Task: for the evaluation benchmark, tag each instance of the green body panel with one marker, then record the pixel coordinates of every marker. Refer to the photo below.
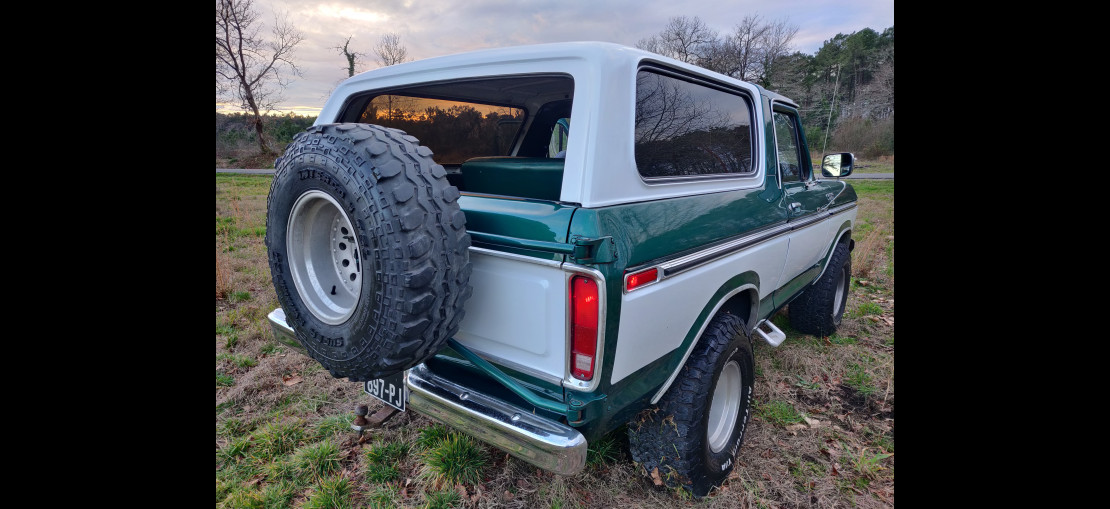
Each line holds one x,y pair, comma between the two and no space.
525,220
656,230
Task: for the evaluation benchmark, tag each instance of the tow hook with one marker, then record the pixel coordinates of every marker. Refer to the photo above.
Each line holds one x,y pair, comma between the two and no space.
360,423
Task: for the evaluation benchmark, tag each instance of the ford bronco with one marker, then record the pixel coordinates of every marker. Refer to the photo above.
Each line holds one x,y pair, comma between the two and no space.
537,245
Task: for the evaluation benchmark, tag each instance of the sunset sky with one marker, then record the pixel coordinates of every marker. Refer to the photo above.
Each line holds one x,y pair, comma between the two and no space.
430,28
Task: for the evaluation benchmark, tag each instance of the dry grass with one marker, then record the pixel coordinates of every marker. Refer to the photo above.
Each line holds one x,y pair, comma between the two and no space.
841,386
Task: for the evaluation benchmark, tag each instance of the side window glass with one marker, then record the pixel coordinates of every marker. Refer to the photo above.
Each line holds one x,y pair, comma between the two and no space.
684,128
786,138
557,147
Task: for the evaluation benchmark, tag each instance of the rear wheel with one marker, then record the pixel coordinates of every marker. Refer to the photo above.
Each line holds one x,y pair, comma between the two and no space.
368,249
691,436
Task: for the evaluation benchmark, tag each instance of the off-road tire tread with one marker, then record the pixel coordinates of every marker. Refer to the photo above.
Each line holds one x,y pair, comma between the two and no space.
812,312
670,436
413,239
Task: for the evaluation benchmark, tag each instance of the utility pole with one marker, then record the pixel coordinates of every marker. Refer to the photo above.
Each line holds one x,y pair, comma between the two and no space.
829,123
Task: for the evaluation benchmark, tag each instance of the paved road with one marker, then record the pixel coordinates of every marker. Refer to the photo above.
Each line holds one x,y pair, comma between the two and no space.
860,176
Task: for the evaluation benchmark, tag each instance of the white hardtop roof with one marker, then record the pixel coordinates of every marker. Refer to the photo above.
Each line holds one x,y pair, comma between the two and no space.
594,54
604,91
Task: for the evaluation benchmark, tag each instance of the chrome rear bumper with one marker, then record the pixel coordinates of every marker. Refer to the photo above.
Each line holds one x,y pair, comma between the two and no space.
283,333
542,442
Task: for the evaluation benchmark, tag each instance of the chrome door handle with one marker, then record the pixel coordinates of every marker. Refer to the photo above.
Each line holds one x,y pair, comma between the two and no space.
794,206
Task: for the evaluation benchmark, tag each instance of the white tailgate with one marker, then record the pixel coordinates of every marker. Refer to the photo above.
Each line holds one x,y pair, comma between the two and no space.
517,314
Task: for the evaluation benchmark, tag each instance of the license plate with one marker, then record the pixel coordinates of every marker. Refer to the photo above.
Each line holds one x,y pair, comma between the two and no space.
390,390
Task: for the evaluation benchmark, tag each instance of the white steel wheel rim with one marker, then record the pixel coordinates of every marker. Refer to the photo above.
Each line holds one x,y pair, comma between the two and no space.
724,409
838,297
323,257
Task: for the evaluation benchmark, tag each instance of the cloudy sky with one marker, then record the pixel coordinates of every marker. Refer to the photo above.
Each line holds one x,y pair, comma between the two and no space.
430,28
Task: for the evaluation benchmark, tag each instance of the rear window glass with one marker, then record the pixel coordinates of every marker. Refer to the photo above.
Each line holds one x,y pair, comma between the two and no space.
456,130
688,129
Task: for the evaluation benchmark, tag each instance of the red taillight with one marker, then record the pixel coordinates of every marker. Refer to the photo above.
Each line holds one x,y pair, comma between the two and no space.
641,278
584,305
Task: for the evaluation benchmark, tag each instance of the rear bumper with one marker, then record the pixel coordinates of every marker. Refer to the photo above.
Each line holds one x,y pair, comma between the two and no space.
283,333
542,442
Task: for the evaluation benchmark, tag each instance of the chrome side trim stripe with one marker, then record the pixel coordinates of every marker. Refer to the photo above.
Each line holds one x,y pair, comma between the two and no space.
694,260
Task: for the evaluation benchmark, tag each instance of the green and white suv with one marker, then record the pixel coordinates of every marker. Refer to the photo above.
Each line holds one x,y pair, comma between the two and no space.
537,245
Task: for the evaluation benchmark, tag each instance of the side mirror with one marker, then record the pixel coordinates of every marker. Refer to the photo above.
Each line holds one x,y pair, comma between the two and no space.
837,165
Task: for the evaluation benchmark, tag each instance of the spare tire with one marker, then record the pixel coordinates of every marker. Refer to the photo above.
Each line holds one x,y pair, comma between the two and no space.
368,249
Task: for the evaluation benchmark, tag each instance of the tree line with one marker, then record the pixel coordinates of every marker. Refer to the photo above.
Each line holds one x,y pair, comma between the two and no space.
845,89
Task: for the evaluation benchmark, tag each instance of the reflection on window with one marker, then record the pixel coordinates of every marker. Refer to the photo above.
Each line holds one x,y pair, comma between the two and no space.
455,131
786,135
684,128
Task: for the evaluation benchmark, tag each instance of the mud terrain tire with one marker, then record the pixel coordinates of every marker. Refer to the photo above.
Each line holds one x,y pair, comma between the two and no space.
690,438
820,308
368,249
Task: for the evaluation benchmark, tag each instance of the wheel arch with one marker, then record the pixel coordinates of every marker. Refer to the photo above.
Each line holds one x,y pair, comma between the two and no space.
738,296
844,235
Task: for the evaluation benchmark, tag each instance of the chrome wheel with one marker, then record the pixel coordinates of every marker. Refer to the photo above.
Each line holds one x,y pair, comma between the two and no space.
725,407
841,292
323,257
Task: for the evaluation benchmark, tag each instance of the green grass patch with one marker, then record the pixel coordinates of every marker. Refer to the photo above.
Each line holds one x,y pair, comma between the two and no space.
382,474
225,225
432,436
778,412
868,308
457,459
806,384
388,453
868,464
874,189
233,427
837,339
236,449
278,494
859,379
318,460
331,493
243,499
442,499
283,468
277,439
313,405
235,297
334,424
241,361
384,497
606,449
271,348
382,461
806,471
224,380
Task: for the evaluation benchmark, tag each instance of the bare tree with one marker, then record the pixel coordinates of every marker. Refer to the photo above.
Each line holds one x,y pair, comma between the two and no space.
253,65
777,41
748,53
352,57
683,38
748,47
390,51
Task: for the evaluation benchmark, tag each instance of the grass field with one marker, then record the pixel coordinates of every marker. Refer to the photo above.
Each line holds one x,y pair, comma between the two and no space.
822,432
